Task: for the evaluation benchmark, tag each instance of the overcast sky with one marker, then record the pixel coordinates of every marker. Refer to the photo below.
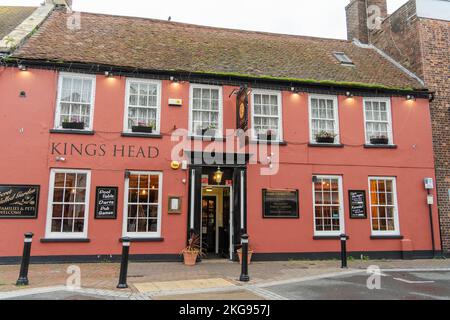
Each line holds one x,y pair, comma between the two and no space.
321,18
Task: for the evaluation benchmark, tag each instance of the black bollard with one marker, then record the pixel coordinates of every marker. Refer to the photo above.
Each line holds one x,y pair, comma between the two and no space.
343,238
244,267
124,263
23,276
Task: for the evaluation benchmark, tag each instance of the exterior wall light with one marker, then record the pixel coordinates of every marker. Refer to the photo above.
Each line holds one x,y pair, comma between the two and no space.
218,176
109,74
410,97
348,94
22,67
173,79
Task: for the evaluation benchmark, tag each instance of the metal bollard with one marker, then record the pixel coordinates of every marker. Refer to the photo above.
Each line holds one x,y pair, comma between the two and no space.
244,267
343,238
124,263
23,276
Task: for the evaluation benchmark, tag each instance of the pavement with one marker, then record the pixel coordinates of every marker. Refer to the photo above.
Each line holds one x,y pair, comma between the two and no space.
218,280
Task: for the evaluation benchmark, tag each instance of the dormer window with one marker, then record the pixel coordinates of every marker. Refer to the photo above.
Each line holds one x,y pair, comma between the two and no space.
343,58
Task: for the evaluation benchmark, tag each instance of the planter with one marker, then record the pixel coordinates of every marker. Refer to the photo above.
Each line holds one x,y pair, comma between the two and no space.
325,139
142,129
73,125
249,258
379,140
190,258
264,137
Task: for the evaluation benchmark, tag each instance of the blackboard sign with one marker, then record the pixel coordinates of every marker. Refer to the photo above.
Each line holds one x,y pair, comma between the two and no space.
357,200
19,201
106,203
280,203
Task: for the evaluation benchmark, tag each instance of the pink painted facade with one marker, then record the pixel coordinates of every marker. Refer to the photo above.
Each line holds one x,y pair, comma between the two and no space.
26,158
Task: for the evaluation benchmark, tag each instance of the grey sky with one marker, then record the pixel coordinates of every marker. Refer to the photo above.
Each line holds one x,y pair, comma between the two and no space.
321,18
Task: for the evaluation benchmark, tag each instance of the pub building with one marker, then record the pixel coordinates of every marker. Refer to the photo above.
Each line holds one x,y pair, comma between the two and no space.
335,138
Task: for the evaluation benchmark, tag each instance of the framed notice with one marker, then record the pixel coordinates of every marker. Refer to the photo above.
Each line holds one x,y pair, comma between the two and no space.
19,201
357,202
280,204
106,202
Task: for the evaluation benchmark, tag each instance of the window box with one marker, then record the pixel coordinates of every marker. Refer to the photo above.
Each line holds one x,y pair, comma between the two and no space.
379,140
325,139
73,125
142,129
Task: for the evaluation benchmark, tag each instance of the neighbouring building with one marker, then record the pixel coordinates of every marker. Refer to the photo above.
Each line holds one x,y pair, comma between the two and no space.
417,36
339,141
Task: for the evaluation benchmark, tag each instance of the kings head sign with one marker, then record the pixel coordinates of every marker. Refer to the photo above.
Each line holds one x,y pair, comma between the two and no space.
242,109
19,201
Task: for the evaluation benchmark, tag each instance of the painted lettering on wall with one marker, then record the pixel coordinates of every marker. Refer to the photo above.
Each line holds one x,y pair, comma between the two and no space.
103,150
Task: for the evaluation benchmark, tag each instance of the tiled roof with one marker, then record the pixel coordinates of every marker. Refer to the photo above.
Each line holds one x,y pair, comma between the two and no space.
157,45
11,17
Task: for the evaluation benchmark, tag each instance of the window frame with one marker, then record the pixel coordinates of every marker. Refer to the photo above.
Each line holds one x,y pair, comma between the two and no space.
48,227
138,235
57,121
343,58
312,139
389,118
396,232
158,84
341,208
219,131
280,113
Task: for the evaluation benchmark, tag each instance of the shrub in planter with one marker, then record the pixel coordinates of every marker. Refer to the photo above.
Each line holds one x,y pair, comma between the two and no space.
192,250
143,127
379,140
73,123
325,137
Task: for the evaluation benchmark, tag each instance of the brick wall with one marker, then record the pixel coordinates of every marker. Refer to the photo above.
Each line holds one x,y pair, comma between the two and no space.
435,40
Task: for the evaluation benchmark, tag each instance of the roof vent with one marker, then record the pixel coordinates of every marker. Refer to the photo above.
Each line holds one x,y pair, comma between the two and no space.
343,58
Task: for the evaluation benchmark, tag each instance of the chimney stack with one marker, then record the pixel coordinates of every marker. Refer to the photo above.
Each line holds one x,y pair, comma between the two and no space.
364,17
60,3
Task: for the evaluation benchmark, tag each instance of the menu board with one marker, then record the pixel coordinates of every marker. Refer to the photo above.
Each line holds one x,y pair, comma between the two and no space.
106,203
19,201
357,200
280,203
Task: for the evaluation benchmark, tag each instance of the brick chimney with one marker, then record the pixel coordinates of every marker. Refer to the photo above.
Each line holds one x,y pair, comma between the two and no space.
364,16
60,3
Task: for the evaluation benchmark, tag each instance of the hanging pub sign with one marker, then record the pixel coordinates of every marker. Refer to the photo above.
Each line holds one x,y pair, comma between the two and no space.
106,203
280,203
242,109
19,201
357,200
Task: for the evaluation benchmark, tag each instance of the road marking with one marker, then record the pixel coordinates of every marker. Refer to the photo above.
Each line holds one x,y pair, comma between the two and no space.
417,270
266,294
412,282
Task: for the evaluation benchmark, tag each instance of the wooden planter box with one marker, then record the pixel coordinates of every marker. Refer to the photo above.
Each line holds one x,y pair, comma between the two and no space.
142,129
73,125
325,139
379,140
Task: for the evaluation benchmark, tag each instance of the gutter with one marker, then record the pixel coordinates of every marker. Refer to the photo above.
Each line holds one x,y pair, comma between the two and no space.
274,83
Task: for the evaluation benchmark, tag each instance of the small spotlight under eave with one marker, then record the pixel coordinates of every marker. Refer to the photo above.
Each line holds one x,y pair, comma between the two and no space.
410,97
348,94
22,67
109,74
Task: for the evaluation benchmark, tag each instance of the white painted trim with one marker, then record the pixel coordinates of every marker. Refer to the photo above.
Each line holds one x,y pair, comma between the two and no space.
67,235
219,133
336,115
389,115
341,208
156,234
280,111
396,232
242,199
192,211
158,84
61,75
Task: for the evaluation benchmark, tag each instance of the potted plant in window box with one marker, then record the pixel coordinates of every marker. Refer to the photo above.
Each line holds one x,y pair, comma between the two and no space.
192,250
269,135
143,127
72,123
325,137
249,257
379,139
209,131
